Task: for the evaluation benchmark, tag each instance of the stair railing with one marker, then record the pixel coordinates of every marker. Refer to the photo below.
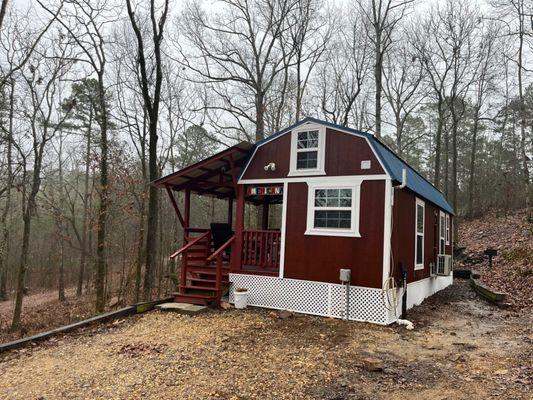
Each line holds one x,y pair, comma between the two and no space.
218,255
183,252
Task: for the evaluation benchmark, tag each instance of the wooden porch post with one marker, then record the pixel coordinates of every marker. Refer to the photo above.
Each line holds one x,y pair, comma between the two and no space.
266,206
236,251
187,209
230,211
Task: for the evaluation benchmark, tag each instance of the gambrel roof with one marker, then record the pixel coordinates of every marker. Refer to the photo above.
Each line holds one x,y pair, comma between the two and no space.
390,160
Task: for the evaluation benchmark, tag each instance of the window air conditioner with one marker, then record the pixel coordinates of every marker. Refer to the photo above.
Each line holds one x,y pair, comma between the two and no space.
443,266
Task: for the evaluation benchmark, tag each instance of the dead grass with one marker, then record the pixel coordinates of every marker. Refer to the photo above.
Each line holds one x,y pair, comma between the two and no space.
462,348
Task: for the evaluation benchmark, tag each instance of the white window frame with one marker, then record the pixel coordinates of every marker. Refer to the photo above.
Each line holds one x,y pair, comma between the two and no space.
448,233
337,183
423,204
321,151
442,232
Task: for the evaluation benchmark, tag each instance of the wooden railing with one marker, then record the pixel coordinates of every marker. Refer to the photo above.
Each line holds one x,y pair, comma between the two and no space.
218,255
201,253
261,248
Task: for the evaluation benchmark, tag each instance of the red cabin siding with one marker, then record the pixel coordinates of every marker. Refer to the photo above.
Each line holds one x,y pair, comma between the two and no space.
319,258
343,156
403,235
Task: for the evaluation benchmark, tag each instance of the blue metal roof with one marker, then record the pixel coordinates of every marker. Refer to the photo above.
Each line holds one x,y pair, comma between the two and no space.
391,161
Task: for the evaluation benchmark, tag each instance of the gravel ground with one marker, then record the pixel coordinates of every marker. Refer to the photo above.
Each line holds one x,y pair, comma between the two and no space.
461,348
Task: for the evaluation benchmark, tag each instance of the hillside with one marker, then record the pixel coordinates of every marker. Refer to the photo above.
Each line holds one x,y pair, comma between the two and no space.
512,268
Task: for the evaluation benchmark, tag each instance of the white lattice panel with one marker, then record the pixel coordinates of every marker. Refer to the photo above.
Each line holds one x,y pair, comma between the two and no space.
307,297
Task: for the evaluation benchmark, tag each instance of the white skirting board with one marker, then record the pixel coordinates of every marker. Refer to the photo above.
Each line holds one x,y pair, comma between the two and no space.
419,290
328,299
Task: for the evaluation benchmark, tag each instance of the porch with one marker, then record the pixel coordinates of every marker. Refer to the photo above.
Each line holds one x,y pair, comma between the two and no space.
210,253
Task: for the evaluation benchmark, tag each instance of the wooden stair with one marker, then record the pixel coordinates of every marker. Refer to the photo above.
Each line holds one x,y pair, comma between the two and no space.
198,284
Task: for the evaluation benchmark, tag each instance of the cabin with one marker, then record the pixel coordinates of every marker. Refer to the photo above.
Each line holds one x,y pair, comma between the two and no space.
347,208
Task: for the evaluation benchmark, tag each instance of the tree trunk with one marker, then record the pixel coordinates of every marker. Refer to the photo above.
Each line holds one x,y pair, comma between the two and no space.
260,116
4,239
523,153
102,211
472,173
85,222
28,211
153,202
438,145
378,76
140,248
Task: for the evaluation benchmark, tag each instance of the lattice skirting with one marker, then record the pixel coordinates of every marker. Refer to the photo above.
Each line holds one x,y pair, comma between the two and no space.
308,297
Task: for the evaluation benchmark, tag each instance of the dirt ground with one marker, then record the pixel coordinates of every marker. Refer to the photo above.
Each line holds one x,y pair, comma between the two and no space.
43,311
461,348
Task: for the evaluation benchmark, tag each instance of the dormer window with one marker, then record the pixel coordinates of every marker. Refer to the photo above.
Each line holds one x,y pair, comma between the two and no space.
307,150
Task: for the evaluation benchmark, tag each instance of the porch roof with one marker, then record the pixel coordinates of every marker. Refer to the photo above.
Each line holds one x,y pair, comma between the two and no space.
215,176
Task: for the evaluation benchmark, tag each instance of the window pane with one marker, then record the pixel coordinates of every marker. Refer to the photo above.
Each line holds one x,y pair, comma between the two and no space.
346,193
419,244
307,140
320,198
419,218
333,219
306,160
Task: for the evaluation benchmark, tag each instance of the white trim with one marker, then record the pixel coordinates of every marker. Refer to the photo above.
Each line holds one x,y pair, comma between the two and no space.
387,229
442,232
335,183
423,204
283,229
448,229
320,149
325,126
377,177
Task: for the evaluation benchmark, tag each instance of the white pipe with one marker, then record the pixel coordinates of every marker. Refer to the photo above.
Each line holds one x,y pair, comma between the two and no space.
404,180
408,324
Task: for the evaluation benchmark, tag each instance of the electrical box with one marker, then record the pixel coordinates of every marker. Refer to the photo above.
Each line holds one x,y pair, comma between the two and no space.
345,275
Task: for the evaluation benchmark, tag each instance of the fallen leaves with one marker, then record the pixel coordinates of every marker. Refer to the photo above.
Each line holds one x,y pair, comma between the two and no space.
512,268
269,354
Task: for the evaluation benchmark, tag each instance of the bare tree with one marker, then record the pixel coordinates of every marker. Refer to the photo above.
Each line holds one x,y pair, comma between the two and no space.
403,77
151,82
7,138
341,79
381,18
488,61
41,81
85,25
238,53
518,15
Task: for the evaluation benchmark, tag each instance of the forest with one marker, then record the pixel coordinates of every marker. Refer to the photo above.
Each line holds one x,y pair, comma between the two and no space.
98,98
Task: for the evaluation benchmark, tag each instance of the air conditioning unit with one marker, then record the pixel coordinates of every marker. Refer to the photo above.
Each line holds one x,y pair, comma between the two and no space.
443,267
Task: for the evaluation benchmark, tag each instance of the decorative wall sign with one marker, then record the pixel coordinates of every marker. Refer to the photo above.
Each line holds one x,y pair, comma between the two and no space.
265,190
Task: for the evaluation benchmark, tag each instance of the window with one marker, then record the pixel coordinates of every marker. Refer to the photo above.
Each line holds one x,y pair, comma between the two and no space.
419,234
307,150
448,229
442,232
333,209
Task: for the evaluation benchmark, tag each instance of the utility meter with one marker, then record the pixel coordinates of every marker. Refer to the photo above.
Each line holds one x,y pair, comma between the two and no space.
345,275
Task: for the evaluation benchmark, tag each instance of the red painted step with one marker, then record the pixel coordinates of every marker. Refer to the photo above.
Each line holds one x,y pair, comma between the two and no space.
201,300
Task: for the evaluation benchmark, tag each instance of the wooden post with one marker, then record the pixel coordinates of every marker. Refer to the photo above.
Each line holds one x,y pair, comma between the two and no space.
236,251
187,208
266,206
230,211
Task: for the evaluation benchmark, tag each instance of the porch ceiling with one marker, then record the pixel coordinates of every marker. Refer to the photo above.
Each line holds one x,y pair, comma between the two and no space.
213,176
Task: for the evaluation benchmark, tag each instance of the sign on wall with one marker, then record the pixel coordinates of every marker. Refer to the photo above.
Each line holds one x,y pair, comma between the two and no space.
265,190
